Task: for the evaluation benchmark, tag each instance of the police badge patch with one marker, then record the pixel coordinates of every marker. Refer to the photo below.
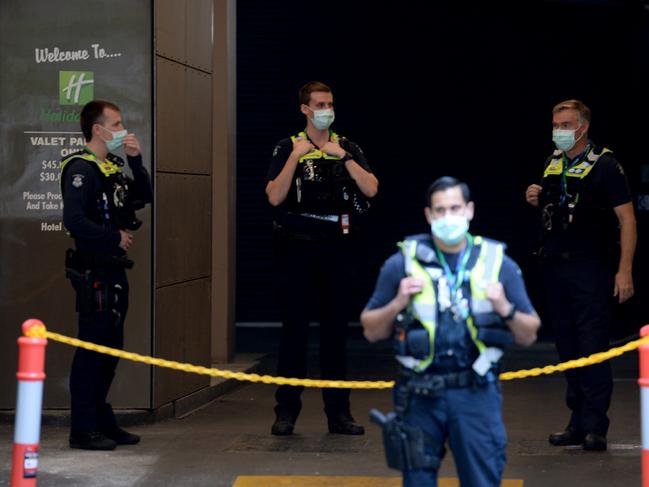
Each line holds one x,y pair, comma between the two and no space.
77,180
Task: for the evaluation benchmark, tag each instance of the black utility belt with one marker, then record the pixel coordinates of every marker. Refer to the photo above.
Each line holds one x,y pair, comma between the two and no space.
93,292
81,260
433,384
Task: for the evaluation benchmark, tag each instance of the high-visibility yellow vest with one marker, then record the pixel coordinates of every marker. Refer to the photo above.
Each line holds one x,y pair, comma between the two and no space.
317,153
580,171
107,168
424,305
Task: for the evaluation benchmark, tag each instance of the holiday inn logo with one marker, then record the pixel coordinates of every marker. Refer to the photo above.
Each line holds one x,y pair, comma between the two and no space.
76,87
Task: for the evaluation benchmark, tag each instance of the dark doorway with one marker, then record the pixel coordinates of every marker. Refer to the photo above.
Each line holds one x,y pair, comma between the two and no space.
435,88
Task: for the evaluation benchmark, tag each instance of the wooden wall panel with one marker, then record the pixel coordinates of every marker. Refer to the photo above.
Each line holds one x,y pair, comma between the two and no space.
183,236
199,34
170,121
171,29
198,122
183,328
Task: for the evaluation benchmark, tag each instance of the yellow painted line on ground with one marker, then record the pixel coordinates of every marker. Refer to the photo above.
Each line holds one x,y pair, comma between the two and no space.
338,481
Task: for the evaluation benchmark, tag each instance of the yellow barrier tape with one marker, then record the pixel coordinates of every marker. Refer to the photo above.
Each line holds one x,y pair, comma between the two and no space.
41,332
595,358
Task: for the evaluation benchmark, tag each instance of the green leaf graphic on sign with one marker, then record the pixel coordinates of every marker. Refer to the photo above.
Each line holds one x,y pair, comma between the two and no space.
76,87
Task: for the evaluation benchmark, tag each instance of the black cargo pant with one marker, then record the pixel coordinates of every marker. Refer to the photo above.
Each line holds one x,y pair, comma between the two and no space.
92,373
579,293
314,281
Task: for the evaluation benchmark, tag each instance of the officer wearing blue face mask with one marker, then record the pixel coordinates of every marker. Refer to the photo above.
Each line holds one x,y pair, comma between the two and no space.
583,197
451,301
100,201
319,184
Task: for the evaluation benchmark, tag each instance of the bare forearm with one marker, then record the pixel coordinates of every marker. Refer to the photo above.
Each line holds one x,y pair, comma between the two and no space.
377,323
365,180
524,327
628,240
277,189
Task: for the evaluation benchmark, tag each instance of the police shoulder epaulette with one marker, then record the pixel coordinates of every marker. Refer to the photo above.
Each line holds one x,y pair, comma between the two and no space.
118,161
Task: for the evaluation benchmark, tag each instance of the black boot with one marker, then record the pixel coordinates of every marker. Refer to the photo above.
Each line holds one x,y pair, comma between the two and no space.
343,424
570,436
91,440
284,424
121,437
595,442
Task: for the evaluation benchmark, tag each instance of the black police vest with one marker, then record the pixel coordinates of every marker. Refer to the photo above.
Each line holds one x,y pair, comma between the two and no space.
323,186
114,206
563,193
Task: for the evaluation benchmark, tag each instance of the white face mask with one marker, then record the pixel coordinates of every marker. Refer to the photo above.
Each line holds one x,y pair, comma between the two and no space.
450,229
322,119
117,141
564,139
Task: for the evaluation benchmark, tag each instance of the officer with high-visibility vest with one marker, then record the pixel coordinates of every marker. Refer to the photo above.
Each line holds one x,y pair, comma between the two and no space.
319,184
452,302
583,197
99,213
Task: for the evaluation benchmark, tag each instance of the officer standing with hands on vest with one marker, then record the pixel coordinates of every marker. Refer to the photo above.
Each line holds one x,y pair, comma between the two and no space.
583,197
99,213
319,184
452,301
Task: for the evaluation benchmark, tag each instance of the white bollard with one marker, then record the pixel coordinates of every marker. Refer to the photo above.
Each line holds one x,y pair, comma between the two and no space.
31,373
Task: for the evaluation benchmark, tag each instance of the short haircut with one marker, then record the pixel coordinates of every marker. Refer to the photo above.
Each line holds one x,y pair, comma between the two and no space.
92,113
580,106
310,87
444,183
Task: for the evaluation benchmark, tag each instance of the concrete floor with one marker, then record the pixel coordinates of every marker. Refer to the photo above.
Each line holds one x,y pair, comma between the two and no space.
230,437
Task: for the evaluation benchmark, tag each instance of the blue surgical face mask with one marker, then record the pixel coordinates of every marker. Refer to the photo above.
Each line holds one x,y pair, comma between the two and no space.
117,140
450,229
564,139
322,119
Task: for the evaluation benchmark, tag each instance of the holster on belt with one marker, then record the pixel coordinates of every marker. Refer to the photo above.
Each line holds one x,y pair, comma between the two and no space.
405,445
93,292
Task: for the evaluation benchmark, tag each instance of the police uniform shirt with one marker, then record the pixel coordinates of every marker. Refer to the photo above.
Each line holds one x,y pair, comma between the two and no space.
454,349
290,219
593,230
83,208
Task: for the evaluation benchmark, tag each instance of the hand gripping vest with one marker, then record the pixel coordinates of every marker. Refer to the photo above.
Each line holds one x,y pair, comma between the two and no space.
487,330
323,185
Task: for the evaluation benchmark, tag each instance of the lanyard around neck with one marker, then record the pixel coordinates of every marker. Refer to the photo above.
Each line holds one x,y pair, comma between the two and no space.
578,160
314,144
456,278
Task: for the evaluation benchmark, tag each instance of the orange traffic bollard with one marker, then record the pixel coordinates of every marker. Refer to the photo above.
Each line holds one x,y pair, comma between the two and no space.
644,405
31,373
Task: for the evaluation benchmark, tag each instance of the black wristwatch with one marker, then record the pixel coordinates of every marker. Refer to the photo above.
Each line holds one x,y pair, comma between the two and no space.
346,157
510,315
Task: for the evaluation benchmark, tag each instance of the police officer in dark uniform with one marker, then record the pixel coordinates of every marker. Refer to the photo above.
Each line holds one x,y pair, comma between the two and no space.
319,184
452,301
99,212
583,196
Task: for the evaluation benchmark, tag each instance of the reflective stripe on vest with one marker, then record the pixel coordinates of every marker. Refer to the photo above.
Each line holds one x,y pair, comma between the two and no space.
317,153
424,304
107,168
580,171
